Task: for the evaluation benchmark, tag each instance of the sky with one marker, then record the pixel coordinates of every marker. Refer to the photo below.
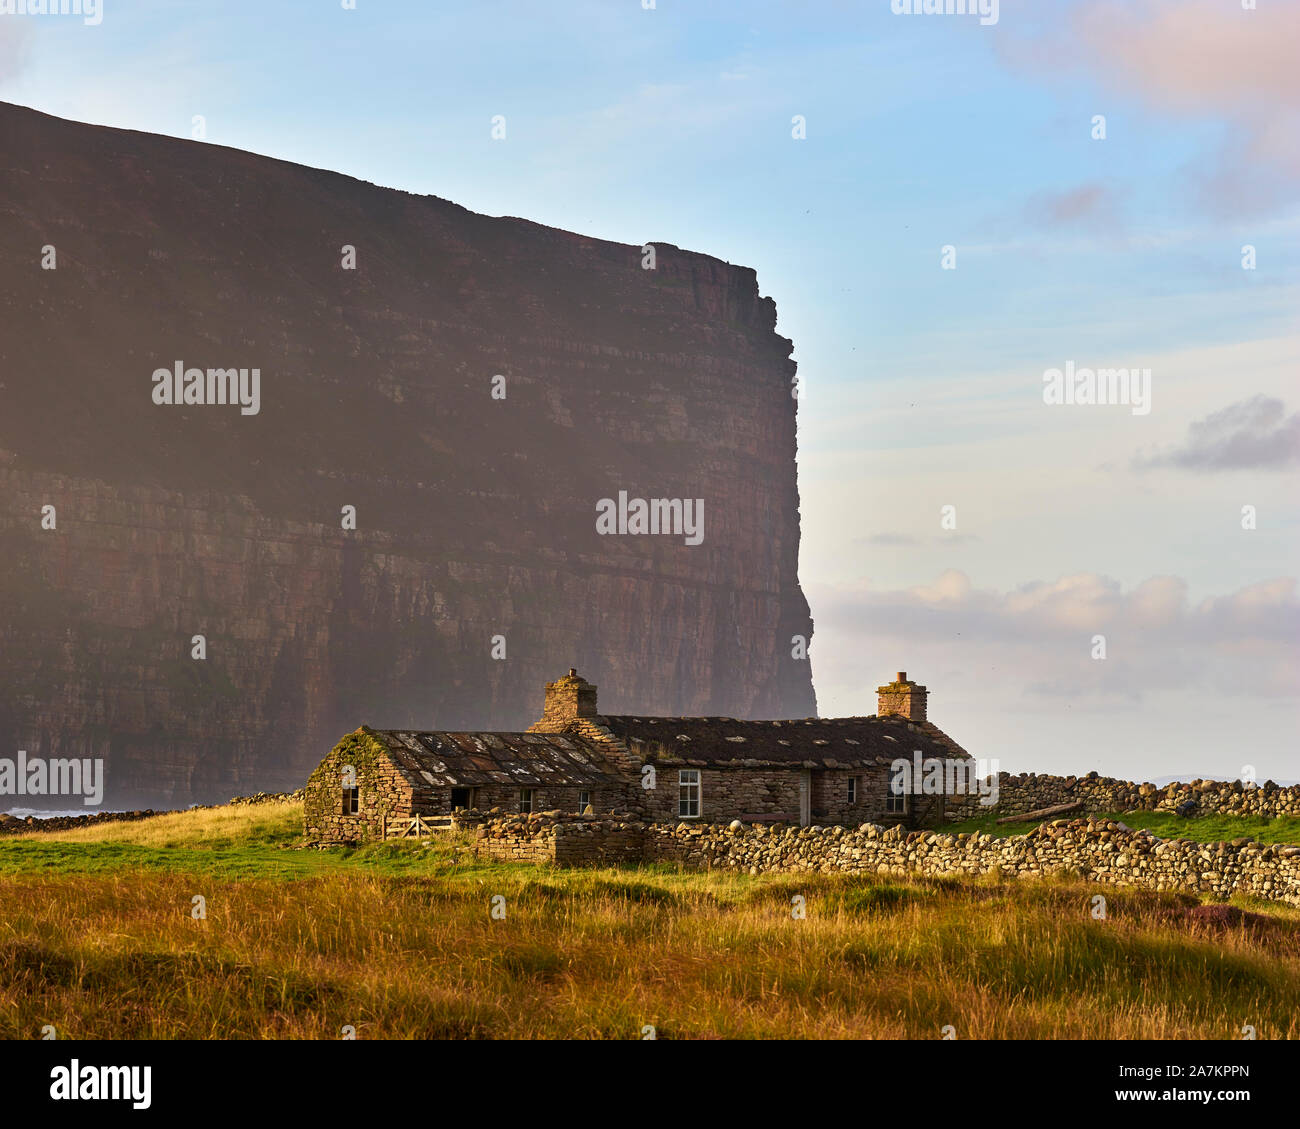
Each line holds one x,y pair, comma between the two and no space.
955,223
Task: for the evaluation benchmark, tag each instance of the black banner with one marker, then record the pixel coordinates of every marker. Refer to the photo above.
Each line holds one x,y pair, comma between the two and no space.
384,1078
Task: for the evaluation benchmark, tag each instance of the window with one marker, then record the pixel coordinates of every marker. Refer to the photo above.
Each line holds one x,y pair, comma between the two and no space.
853,789
351,801
460,798
688,793
584,800
895,802
525,801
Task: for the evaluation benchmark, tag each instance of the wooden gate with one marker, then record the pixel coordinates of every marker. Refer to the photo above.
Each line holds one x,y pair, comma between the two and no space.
415,826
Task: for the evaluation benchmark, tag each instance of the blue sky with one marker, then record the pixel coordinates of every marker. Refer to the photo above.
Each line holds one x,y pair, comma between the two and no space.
923,384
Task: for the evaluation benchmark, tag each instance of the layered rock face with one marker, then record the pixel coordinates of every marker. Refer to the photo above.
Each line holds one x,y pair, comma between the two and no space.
475,515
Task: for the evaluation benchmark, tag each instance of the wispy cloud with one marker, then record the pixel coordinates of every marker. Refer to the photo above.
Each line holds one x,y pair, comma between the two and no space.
1253,434
1040,635
1195,60
1091,206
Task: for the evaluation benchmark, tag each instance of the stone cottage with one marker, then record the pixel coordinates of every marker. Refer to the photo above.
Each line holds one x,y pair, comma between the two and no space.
574,759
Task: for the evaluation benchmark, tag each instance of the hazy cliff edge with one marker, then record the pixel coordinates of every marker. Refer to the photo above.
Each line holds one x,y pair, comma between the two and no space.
474,515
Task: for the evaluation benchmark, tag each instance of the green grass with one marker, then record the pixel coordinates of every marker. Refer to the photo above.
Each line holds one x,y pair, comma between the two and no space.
229,862
1166,825
255,841
97,939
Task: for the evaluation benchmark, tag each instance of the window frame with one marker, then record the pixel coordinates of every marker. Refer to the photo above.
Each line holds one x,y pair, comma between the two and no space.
351,799
684,798
527,796
853,789
584,804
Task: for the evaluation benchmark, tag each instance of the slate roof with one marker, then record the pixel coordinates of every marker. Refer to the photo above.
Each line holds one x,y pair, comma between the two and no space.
525,759
847,742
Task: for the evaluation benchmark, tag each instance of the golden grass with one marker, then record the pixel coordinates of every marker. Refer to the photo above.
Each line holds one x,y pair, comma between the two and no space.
242,824
415,953
601,954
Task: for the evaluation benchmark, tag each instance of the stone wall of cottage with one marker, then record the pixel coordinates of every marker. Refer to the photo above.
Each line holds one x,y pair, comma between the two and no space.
737,793
724,793
603,798
830,798
1103,851
1031,791
384,792
727,794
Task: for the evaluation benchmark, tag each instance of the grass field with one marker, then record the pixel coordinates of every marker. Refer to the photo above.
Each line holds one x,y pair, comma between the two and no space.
398,941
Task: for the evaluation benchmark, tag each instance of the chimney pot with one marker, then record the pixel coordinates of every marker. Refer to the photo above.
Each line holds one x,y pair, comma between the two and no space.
568,700
901,698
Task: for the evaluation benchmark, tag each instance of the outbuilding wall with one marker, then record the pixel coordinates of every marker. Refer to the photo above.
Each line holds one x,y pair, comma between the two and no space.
384,792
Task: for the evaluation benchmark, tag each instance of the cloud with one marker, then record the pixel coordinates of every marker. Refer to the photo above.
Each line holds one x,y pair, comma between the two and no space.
1040,635
1192,59
1186,685
1092,206
1087,602
1253,434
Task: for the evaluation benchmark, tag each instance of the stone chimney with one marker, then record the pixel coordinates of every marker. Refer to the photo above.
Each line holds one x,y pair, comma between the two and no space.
567,699
904,698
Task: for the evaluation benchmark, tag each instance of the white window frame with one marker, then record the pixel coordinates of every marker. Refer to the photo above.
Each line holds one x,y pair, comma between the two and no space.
583,804
527,797
853,789
895,802
688,780
351,799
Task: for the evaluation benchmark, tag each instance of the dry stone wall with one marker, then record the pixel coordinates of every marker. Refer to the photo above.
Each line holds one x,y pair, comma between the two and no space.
515,840
1031,791
1103,851
17,825
563,839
